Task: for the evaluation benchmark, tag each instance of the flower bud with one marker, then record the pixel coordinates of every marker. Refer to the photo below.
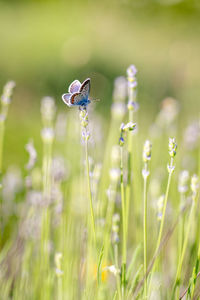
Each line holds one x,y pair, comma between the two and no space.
160,204
47,134
57,259
194,184
147,151
48,109
114,175
132,105
121,141
115,155
120,89
7,93
129,126
172,147
183,182
131,72
32,155
118,110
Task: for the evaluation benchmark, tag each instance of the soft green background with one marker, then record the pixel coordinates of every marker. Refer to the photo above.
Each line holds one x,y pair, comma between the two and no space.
44,45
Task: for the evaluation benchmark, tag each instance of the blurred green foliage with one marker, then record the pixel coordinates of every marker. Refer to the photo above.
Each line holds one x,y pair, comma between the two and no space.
44,45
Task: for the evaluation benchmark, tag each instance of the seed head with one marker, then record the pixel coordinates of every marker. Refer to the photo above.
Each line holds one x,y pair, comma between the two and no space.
183,182
128,127
114,175
160,204
7,92
115,155
111,193
147,151
172,147
59,170
47,134
194,184
120,89
84,118
116,218
133,105
170,168
97,171
86,135
48,109
57,259
131,72
145,173
115,228
192,135
118,110
60,127
121,141
32,155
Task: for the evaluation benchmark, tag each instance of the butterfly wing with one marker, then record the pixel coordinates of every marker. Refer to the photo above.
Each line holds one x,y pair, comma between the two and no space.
74,87
85,88
76,99
66,98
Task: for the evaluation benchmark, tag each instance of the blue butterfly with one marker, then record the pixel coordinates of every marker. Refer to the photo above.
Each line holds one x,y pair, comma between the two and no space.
78,93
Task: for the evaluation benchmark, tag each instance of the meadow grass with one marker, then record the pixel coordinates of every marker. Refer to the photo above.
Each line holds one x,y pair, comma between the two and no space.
102,215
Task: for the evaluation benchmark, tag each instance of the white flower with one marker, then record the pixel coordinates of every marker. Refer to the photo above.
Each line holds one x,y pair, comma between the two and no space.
112,269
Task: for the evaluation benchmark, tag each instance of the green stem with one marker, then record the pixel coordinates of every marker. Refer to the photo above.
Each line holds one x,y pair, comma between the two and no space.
162,223
89,189
128,188
123,228
2,131
47,153
178,274
117,266
60,293
145,234
194,276
108,224
45,231
181,227
163,213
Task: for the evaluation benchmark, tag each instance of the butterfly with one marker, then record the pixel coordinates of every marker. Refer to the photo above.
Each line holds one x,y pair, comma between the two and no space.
78,94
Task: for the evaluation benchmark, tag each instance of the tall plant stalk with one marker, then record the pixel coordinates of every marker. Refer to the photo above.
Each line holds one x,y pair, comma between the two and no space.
2,130
48,112
47,135
132,106
161,228
123,227
170,167
179,268
117,267
195,193
89,190
145,236
86,136
145,174
5,103
124,129
128,187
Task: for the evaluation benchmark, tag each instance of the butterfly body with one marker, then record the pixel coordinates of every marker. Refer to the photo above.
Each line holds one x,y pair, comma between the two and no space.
78,94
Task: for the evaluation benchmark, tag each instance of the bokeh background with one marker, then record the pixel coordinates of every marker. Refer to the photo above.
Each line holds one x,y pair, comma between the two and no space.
44,45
